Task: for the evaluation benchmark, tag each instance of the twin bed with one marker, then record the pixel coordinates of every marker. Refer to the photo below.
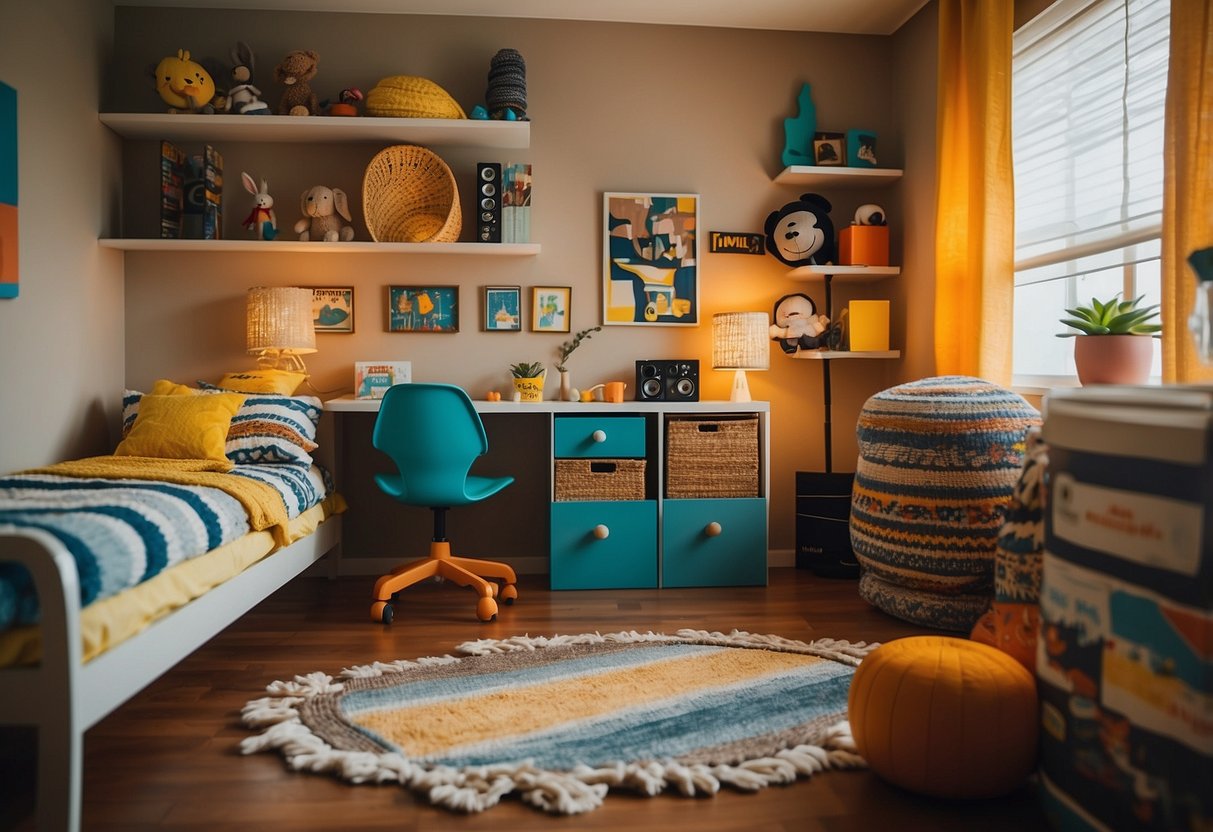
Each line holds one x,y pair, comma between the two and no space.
113,569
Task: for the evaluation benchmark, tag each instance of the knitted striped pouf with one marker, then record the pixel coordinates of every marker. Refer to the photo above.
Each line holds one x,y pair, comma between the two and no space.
938,459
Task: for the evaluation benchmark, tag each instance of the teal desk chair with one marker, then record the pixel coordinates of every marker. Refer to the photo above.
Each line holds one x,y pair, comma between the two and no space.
433,434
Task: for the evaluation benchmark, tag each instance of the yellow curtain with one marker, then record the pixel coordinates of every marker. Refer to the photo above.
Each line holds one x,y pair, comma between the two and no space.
975,220
1187,215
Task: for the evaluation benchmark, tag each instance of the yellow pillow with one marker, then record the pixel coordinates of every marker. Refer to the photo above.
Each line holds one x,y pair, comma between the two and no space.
164,387
181,427
282,382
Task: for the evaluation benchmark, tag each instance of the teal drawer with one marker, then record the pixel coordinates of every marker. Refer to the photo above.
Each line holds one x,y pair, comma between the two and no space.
585,436
625,559
692,556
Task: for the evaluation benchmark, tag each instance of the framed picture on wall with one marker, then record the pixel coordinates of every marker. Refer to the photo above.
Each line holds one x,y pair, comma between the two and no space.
423,309
502,309
333,309
650,276
550,308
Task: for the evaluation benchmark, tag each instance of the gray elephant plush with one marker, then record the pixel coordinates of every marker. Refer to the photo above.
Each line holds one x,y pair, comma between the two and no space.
323,208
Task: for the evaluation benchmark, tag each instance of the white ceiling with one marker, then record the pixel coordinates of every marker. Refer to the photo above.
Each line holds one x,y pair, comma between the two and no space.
869,17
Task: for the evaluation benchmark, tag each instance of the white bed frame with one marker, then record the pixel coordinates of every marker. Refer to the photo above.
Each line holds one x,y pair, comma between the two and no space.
63,698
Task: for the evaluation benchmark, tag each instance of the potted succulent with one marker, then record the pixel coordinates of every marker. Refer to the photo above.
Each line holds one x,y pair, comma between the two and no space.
567,393
528,381
1113,351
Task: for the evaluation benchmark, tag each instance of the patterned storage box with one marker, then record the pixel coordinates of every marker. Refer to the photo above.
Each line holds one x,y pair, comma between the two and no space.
1125,655
600,479
712,456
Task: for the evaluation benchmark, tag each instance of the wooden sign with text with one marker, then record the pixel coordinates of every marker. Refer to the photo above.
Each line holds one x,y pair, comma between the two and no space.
736,242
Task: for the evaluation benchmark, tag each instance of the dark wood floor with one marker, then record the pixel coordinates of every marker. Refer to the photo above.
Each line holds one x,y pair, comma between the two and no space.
168,759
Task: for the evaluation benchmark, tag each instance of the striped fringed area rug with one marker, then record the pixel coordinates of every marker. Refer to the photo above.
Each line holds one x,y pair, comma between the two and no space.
561,720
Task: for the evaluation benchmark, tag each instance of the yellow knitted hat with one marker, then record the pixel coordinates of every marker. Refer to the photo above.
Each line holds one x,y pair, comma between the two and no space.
407,96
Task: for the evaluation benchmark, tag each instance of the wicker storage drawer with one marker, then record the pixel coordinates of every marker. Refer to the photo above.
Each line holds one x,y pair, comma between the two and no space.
712,456
599,479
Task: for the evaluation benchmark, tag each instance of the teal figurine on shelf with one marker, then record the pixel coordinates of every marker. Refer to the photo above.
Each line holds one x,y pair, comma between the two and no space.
798,132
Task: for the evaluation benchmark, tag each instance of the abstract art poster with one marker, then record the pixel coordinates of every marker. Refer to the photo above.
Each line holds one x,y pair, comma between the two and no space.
651,252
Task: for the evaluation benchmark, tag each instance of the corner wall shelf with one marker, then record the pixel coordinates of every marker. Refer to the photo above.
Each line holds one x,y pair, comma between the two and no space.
830,355
837,176
437,131
298,247
848,273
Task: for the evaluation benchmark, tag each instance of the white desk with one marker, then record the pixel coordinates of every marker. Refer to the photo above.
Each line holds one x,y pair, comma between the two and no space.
652,542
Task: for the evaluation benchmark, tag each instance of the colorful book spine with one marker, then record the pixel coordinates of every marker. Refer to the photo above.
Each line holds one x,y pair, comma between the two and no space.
172,194
212,209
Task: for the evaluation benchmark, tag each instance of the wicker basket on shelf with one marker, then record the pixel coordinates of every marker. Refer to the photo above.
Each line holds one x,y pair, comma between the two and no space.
712,456
600,479
409,196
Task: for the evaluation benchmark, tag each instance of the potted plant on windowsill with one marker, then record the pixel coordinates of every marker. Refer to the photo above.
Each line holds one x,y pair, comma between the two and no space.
1116,340
528,381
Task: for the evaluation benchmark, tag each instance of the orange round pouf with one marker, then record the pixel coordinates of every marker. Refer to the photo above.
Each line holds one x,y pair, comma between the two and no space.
945,717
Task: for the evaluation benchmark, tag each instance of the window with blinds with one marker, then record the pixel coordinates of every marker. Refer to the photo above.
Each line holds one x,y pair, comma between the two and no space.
1089,81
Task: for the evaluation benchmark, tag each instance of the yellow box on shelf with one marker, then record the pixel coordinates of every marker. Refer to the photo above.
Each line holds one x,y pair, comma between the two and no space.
868,321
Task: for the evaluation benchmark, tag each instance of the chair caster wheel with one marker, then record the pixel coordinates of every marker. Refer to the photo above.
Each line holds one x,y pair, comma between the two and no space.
508,594
486,609
382,611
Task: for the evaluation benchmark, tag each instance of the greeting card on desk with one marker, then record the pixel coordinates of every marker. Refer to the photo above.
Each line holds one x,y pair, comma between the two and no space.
373,378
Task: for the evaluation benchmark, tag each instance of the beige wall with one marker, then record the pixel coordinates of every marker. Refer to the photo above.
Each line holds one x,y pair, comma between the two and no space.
613,107
61,340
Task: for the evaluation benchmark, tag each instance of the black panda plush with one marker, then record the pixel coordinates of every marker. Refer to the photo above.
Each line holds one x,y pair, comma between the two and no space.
801,233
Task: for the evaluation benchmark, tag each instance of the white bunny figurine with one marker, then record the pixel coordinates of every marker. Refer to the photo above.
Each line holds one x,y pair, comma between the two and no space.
261,219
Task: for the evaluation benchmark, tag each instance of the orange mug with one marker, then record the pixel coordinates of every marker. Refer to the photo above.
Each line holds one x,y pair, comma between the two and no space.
612,391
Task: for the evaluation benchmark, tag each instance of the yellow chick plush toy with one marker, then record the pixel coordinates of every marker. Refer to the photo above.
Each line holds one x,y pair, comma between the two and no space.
184,85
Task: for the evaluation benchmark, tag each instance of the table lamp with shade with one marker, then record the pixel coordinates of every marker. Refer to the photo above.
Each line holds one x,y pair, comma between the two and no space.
279,326
740,342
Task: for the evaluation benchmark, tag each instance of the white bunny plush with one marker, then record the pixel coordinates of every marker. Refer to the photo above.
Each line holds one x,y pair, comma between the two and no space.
323,209
261,219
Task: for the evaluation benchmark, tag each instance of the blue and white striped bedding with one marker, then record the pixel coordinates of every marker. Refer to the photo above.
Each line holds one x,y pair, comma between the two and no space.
122,532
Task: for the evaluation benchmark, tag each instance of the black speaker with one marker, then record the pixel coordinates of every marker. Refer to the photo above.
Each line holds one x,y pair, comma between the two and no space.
488,202
658,380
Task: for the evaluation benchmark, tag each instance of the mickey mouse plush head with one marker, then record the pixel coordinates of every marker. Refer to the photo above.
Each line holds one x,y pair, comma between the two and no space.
801,233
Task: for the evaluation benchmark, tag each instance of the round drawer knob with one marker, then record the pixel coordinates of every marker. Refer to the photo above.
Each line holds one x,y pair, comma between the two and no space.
598,436
601,532
712,529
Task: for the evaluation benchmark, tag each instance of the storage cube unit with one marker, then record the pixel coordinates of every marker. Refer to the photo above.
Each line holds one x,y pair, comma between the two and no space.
1125,658
626,515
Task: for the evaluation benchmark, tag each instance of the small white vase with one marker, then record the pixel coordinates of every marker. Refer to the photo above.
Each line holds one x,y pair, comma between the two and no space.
565,386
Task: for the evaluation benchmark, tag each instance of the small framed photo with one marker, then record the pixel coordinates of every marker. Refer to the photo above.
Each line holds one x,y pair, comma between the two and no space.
423,309
333,309
829,149
502,309
550,308
861,149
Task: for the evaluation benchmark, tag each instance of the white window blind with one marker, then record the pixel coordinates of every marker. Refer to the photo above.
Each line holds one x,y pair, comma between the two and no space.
1089,87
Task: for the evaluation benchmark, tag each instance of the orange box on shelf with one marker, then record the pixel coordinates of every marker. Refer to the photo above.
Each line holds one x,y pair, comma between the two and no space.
868,325
863,245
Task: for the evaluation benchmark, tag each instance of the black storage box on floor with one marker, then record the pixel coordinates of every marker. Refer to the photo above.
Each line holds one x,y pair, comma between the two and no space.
823,525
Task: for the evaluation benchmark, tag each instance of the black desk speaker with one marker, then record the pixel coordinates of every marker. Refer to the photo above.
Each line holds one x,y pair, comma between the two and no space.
660,380
488,202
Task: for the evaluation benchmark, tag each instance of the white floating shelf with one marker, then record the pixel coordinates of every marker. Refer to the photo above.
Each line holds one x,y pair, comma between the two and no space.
823,355
848,273
837,176
298,247
448,132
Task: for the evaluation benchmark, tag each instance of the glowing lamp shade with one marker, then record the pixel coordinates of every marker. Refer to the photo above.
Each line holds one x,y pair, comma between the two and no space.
279,326
740,342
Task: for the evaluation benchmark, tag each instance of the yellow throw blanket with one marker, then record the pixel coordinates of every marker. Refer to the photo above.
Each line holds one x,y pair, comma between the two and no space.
262,502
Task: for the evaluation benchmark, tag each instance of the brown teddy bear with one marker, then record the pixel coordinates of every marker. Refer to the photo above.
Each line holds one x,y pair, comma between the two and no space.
295,70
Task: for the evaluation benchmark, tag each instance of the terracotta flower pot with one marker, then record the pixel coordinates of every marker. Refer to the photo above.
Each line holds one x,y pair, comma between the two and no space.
1113,359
